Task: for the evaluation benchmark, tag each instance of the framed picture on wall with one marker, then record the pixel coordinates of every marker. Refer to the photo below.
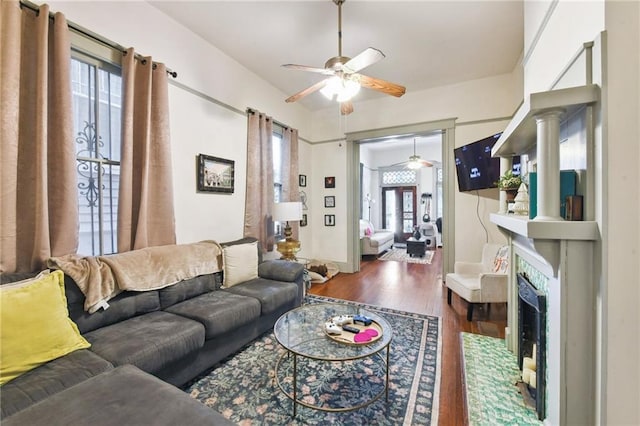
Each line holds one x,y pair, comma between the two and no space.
330,182
329,220
329,201
302,180
303,222
215,174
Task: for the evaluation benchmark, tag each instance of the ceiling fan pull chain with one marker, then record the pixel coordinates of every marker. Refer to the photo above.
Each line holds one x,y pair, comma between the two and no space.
339,3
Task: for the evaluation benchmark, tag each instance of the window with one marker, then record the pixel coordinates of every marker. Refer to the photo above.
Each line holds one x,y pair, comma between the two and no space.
399,177
97,95
277,147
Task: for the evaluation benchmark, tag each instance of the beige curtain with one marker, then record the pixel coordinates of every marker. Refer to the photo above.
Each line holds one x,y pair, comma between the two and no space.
145,211
290,188
39,207
258,220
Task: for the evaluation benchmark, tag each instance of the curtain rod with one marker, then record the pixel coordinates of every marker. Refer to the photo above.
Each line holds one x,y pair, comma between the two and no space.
284,126
90,34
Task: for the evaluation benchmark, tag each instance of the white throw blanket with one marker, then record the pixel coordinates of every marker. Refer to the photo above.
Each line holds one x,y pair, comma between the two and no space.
100,278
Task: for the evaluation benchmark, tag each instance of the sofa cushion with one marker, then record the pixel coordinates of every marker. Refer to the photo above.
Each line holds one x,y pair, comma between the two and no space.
123,396
125,305
35,325
150,341
219,311
240,263
273,295
187,289
50,378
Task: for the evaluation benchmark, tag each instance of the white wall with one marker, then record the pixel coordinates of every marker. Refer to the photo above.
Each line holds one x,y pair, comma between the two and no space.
620,291
554,32
329,242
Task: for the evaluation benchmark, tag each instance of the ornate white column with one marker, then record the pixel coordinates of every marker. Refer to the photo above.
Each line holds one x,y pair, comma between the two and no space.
548,157
505,165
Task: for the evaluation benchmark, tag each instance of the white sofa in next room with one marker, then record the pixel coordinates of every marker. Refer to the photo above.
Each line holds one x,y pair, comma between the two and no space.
374,241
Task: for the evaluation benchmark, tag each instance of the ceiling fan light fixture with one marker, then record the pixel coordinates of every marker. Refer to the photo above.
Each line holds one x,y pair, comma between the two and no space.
414,162
342,89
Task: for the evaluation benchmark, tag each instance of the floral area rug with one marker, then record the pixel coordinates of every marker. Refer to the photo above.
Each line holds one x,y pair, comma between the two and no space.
244,389
400,255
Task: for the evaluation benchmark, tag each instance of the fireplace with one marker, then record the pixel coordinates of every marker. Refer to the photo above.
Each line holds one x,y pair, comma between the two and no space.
532,313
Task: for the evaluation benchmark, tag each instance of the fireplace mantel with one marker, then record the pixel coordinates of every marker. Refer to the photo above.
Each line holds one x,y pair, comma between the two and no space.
546,235
559,253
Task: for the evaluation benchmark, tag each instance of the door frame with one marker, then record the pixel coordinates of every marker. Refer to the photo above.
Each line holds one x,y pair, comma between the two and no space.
353,141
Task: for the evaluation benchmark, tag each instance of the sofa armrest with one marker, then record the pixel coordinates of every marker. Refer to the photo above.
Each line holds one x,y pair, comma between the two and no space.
281,270
468,268
284,270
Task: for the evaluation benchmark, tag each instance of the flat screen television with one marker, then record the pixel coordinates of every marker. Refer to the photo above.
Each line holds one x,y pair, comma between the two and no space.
476,168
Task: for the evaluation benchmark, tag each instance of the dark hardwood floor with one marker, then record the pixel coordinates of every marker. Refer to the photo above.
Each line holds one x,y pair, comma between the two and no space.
418,288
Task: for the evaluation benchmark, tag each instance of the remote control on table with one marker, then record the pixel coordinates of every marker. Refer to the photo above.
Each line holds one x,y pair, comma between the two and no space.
350,329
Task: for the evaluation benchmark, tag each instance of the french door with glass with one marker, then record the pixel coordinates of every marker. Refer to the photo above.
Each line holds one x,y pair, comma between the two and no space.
399,211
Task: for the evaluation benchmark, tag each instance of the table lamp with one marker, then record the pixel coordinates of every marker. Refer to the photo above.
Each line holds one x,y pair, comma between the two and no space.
285,212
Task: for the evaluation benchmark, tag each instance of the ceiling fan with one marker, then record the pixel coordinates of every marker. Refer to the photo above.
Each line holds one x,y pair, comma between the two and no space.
344,81
414,162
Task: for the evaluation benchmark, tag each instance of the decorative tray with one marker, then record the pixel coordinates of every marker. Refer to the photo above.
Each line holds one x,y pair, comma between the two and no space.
368,334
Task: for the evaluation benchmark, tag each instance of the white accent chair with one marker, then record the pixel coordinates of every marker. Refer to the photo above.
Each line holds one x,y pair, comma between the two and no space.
481,282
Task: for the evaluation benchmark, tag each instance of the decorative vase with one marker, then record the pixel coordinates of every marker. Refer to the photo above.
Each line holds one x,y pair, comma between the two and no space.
416,233
511,193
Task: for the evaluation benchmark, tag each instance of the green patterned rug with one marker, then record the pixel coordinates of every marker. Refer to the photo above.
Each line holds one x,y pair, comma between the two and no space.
244,390
490,374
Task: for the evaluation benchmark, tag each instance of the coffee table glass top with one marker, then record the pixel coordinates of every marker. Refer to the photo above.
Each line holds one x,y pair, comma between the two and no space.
301,331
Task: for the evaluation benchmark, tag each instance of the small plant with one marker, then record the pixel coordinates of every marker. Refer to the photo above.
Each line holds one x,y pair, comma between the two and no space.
509,181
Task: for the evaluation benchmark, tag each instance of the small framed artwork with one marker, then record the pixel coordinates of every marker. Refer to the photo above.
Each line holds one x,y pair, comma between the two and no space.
303,222
330,182
302,180
329,201
329,220
215,174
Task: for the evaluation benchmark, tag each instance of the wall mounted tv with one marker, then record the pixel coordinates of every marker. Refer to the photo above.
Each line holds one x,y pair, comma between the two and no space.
476,168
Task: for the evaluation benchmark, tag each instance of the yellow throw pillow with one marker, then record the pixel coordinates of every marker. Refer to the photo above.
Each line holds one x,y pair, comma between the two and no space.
35,327
240,263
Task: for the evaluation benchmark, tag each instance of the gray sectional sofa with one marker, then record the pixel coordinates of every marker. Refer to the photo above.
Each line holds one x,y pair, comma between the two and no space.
146,345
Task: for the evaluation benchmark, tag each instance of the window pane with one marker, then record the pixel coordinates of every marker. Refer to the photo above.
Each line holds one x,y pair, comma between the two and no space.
276,142
97,126
277,158
396,177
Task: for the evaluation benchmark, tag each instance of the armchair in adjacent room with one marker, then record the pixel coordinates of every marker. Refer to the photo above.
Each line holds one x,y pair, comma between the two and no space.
481,282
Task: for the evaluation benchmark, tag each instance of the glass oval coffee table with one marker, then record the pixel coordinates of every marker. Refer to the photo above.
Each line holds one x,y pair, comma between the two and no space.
301,332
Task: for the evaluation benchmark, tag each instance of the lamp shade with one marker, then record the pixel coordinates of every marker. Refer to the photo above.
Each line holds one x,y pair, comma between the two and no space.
284,212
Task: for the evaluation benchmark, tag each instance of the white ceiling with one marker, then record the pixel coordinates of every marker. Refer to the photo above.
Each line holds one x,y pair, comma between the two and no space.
426,43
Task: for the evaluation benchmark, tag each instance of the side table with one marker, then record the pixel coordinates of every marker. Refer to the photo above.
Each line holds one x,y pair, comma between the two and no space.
416,247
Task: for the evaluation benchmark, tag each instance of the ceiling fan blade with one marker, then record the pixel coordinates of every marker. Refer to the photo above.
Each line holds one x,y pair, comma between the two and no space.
426,163
346,108
379,85
319,85
367,57
309,69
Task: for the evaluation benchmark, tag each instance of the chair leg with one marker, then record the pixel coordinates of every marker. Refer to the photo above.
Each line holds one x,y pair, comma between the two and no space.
448,296
469,311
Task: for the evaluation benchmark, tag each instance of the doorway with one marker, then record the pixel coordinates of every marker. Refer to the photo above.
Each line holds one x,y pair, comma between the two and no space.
399,211
356,207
